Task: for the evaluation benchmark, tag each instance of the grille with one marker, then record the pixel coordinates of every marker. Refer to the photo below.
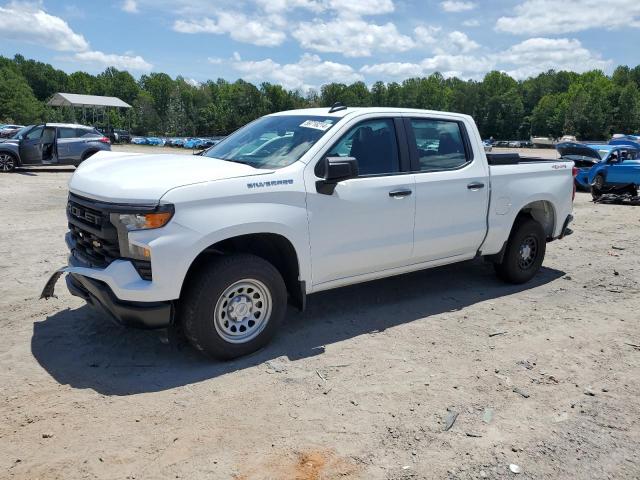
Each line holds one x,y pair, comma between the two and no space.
95,238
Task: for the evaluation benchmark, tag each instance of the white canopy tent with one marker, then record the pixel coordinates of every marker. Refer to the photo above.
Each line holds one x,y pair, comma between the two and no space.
92,102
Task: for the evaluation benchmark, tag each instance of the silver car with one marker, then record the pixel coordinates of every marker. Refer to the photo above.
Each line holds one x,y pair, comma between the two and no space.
51,144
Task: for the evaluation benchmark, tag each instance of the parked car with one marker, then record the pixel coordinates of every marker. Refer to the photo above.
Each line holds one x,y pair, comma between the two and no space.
221,242
584,157
51,144
617,172
117,135
604,168
7,131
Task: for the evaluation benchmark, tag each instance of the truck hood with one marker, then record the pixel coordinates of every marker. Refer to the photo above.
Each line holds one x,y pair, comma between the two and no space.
141,178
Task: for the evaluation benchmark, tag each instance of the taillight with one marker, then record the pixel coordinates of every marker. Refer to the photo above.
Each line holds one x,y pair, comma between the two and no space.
575,172
104,140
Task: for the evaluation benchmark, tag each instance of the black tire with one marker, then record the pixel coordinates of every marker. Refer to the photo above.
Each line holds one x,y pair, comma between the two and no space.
527,237
8,162
597,187
205,296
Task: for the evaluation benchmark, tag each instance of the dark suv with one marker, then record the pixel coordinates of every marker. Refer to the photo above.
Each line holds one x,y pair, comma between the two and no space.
51,144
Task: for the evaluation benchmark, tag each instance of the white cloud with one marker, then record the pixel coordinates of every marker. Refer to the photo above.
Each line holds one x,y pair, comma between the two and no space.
279,6
459,42
472,22
426,34
237,26
353,37
309,72
361,7
130,6
125,62
454,6
435,39
463,66
540,17
538,55
193,82
27,22
215,60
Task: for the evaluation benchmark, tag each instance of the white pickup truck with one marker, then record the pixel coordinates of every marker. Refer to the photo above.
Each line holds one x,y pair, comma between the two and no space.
295,203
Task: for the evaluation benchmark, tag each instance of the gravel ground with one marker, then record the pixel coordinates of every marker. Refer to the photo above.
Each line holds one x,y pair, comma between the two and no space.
544,376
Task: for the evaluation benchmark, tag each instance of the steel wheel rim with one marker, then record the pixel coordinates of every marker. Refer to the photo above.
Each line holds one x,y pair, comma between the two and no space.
6,163
243,310
528,252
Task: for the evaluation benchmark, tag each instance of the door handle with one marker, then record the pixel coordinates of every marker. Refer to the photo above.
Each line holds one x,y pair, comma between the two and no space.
400,193
475,186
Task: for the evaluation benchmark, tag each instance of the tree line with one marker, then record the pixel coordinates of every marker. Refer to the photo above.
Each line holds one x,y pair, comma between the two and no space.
590,105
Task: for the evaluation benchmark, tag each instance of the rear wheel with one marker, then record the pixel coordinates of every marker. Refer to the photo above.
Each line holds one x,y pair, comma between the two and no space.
233,306
524,253
7,162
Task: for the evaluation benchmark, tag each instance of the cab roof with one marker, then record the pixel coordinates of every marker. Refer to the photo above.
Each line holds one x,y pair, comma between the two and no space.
325,111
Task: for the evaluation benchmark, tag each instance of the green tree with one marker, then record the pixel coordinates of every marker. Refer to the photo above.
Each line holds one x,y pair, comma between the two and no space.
17,101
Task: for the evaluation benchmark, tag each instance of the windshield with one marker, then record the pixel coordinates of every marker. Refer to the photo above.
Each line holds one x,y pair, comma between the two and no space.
272,142
22,131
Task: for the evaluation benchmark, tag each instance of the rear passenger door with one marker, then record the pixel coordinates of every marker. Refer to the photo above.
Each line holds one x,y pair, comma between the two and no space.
66,137
452,189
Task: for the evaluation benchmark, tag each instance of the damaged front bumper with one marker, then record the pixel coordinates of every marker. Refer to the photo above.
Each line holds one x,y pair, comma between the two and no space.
100,296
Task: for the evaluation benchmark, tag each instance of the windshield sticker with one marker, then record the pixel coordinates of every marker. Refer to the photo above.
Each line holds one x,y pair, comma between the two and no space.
316,125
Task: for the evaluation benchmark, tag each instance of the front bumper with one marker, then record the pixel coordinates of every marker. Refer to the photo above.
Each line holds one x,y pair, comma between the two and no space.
134,314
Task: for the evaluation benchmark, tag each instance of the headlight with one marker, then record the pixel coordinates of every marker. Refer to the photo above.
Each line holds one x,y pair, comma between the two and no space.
143,221
129,222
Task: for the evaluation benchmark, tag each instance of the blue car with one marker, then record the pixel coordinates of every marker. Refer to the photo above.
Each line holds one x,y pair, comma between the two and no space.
619,173
584,156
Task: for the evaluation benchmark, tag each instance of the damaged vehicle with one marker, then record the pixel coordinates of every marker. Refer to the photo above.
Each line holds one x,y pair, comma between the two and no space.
297,203
612,168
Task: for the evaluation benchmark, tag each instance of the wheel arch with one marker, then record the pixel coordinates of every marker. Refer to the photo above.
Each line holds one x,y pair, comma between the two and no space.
275,248
13,153
542,211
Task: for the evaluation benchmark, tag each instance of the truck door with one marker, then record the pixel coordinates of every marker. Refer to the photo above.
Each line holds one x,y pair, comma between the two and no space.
366,224
31,147
452,189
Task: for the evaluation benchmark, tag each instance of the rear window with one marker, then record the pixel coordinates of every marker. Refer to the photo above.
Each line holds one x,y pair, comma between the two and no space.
66,132
440,144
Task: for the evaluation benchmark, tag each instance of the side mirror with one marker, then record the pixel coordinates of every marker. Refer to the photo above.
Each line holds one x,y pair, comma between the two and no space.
334,170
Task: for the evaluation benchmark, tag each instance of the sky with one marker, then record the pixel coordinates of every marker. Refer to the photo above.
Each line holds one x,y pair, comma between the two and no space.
302,44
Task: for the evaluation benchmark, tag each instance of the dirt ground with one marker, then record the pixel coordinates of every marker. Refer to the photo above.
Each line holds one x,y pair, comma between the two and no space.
360,386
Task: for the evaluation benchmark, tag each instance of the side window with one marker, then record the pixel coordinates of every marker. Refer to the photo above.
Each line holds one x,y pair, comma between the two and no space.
440,144
34,134
66,132
373,143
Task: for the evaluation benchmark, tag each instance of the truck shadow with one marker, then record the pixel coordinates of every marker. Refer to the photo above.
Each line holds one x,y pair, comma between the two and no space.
83,349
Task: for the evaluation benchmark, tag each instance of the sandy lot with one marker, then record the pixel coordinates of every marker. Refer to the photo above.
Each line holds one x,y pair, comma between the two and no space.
360,386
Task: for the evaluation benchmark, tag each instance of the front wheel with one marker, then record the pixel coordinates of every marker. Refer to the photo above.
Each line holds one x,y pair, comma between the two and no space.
597,187
524,253
233,306
7,162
